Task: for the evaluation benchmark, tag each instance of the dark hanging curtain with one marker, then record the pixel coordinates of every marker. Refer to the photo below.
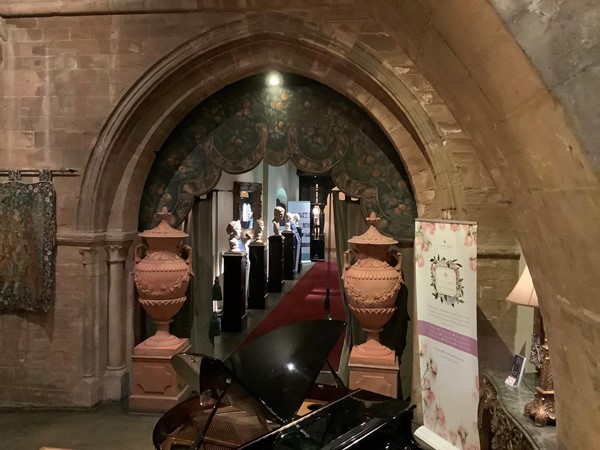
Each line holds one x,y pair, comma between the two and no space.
349,221
193,320
201,287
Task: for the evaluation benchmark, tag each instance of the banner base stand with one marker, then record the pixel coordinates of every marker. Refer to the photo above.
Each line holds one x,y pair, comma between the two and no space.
433,440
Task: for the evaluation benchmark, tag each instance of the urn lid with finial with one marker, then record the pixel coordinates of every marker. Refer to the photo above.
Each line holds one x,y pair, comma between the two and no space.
372,236
163,229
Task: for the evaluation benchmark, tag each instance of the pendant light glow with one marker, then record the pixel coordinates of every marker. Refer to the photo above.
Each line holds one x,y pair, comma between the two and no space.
274,79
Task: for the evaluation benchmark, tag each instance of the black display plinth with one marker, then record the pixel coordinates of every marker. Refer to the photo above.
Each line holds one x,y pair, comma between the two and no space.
289,260
257,289
275,283
317,249
234,292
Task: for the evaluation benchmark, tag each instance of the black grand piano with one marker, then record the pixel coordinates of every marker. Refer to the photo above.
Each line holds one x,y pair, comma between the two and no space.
267,396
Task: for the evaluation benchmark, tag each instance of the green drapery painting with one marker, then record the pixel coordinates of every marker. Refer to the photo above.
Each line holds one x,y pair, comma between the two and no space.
319,130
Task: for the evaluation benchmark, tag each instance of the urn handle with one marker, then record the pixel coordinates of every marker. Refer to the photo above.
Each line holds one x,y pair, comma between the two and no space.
139,256
395,252
188,259
347,261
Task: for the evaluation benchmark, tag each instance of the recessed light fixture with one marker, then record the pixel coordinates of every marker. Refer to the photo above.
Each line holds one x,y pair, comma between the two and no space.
274,78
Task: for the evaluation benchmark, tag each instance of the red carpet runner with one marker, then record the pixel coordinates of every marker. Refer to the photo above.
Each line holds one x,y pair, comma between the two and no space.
306,301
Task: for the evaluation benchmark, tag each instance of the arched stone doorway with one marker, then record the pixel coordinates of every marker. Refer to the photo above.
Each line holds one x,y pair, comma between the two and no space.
124,152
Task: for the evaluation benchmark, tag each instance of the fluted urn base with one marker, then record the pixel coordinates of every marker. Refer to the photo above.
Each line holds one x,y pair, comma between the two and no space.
161,312
372,351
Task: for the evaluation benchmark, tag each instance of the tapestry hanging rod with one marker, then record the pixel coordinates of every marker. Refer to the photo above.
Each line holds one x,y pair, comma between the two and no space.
62,172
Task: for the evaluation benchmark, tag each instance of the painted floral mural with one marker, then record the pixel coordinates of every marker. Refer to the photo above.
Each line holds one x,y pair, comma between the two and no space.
316,128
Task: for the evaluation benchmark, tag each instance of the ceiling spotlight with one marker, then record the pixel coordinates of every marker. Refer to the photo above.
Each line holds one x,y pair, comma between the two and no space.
274,79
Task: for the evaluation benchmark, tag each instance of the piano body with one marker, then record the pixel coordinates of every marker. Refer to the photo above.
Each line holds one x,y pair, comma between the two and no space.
264,396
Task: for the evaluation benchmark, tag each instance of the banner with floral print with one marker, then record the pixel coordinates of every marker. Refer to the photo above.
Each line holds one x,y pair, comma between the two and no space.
446,295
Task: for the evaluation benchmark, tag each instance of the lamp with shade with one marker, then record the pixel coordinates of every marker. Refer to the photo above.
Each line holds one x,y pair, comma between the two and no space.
541,409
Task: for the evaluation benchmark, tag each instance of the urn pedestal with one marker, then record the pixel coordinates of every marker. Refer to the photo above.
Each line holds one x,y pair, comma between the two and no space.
371,286
289,259
156,386
161,278
257,290
375,378
275,282
234,318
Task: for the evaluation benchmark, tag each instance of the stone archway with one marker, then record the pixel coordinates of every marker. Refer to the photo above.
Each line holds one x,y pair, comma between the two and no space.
125,149
123,154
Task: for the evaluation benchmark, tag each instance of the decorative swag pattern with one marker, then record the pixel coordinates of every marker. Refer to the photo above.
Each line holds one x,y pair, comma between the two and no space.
316,128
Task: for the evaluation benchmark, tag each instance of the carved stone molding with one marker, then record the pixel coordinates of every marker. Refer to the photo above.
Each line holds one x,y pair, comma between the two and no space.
88,254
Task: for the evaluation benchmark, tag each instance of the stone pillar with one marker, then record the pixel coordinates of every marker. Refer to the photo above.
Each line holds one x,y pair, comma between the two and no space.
116,375
89,323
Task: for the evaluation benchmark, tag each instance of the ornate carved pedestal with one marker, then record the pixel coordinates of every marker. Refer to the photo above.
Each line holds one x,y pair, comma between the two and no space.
375,378
541,409
156,386
502,424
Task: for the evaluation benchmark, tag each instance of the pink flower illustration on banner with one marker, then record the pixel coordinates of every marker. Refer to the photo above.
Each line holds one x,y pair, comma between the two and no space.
426,384
442,226
473,263
471,236
462,434
431,228
422,243
453,437
440,417
427,393
468,240
429,397
434,368
454,227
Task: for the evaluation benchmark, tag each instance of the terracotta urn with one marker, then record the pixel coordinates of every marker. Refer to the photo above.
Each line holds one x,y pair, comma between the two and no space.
161,277
371,286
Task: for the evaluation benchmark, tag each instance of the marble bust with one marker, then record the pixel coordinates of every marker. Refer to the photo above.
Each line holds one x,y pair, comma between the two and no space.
234,229
259,228
278,214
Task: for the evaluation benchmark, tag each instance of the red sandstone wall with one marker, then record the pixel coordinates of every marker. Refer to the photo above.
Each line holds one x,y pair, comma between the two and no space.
61,77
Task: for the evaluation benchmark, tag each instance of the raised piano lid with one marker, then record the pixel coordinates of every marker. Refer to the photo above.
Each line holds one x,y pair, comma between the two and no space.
277,369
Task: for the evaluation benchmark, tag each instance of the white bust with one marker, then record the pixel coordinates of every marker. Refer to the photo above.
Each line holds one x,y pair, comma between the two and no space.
278,214
259,228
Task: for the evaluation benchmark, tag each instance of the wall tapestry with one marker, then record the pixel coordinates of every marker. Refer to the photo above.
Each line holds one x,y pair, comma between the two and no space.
315,127
27,243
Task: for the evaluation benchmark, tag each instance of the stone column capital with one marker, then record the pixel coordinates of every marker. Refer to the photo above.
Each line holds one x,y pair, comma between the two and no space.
88,254
116,253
